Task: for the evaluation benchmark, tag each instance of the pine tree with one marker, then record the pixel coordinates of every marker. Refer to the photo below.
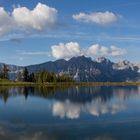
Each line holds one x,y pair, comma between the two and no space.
5,72
19,76
25,75
31,77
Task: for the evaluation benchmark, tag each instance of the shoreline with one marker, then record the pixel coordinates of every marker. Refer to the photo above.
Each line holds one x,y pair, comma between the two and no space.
14,83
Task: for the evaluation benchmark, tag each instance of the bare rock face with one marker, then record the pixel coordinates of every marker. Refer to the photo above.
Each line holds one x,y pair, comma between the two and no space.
85,69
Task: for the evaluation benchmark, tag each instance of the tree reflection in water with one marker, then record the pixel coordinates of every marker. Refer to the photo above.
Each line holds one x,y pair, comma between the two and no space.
81,112
74,94
72,101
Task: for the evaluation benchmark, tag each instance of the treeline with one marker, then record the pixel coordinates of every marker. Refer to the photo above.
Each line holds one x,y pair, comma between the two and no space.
43,77
4,72
40,77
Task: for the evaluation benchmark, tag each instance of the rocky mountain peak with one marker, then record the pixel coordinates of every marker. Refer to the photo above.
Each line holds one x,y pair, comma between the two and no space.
84,68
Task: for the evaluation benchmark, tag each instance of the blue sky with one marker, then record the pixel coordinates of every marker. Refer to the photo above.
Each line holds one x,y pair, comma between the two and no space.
105,28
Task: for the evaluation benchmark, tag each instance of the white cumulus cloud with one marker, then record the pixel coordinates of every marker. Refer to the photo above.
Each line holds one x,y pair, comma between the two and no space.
97,50
66,51
73,49
7,24
41,18
101,18
117,51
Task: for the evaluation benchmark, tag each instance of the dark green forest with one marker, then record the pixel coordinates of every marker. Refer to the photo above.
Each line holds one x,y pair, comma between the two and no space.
40,77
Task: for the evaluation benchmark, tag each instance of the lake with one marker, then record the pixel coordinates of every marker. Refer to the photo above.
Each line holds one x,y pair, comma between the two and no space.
72,113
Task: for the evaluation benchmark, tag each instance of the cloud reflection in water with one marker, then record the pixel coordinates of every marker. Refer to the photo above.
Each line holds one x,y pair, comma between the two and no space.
96,107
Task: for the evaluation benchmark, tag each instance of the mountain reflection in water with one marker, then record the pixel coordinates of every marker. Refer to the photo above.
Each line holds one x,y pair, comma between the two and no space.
91,112
71,102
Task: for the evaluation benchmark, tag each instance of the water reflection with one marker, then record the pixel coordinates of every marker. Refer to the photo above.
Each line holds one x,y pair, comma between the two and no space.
7,134
85,113
73,101
96,107
74,94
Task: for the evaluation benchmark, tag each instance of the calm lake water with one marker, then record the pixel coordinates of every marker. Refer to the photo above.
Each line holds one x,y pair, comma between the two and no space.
75,113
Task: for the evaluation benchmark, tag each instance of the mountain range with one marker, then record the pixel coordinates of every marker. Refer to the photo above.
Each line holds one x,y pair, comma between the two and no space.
85,69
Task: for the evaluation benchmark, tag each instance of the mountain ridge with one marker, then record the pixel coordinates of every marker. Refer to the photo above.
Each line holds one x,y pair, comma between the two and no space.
85,69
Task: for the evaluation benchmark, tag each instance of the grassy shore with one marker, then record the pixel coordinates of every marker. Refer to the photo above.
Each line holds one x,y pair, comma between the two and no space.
16,83
93,84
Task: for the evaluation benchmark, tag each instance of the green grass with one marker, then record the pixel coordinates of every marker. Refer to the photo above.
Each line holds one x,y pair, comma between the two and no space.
93,84
4,82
